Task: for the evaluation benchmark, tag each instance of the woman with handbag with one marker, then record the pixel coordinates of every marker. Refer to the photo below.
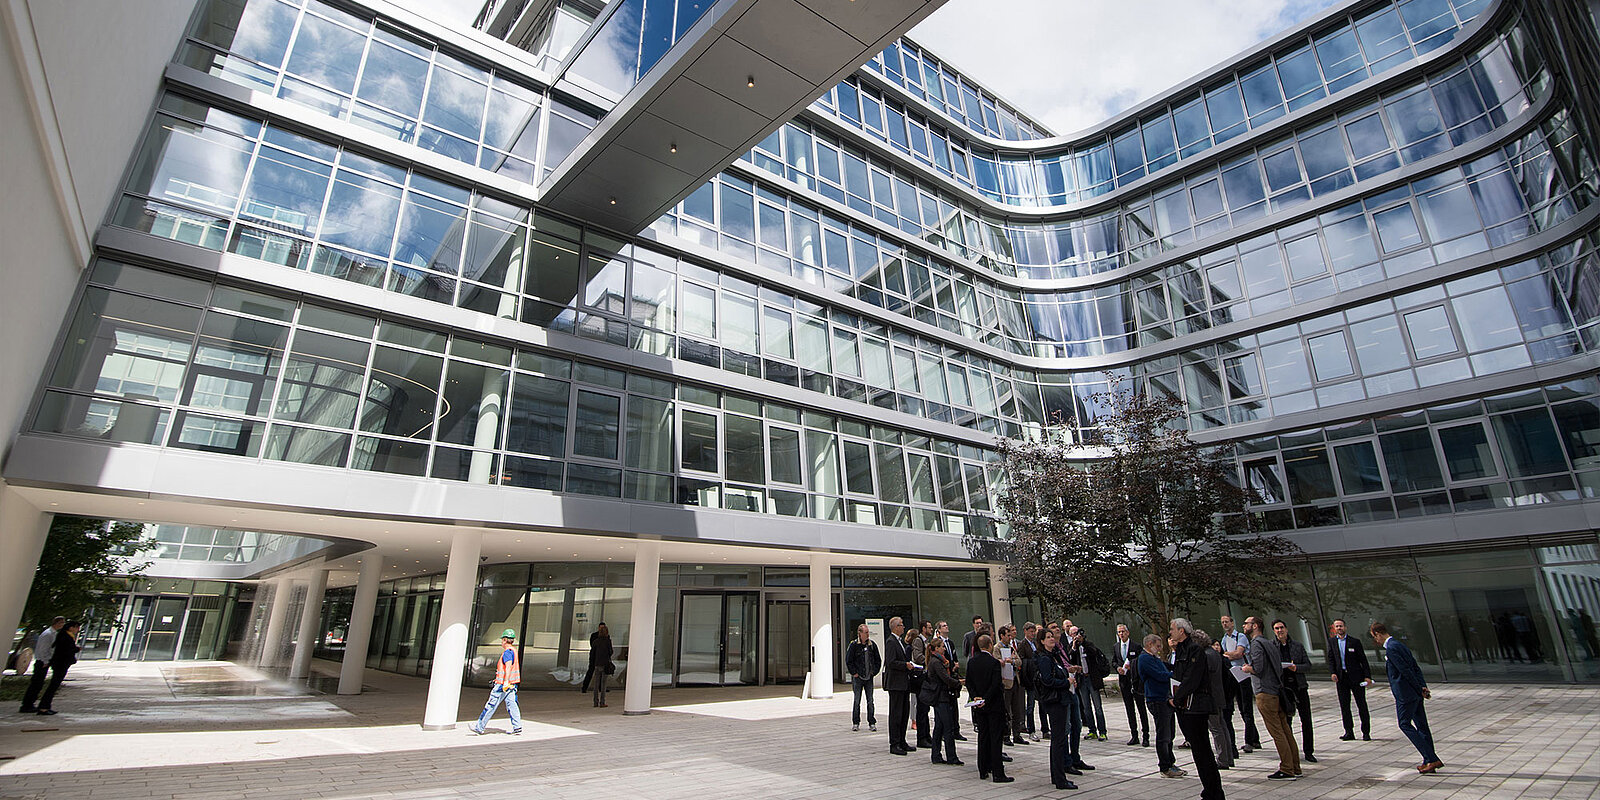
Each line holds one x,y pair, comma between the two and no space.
601,667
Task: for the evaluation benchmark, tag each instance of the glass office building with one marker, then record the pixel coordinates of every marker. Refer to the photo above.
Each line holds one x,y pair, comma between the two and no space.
606,313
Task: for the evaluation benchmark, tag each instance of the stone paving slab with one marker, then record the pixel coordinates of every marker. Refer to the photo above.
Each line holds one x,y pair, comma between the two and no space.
1500,742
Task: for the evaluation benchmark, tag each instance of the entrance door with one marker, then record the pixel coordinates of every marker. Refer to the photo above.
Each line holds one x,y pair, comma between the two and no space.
788,640
161,629
717,638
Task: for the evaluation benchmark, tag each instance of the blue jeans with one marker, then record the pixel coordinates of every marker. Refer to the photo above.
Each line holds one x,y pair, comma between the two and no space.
499,693
1029,701
1414,724
857,687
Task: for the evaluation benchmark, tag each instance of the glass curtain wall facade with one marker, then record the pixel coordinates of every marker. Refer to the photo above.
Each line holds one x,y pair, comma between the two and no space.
1366,254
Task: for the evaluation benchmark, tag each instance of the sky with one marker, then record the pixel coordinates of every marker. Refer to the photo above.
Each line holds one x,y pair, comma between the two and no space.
1073,64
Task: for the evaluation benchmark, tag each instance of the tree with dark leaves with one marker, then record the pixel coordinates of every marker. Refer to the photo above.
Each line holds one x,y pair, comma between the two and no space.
1132,516
80,569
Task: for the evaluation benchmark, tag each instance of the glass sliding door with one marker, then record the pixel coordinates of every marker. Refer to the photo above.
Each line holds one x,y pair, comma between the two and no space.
718,641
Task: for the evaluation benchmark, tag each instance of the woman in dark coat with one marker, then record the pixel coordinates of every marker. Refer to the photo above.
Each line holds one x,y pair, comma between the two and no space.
939,690
1056,699
600,664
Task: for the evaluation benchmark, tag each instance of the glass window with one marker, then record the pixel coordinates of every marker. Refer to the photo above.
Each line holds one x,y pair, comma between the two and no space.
538,421
1493,323
1397,228
1358,468
1261,93
1430,333
700,441
1310,476
1261,475
649,435
1580,431
596,425
1410,459
744,449
1323,153
1330,356
822,452
1379,346
1466,452
1226,110
858,467
891,473
1529,443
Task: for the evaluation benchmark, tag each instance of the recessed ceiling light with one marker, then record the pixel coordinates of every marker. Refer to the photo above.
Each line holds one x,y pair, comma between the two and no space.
750,81
613,201
673,147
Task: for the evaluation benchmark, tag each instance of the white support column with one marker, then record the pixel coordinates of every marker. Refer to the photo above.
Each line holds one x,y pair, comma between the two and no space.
23,529
277,614
1000,596
359,634
821,595
455,615
642,628
310,624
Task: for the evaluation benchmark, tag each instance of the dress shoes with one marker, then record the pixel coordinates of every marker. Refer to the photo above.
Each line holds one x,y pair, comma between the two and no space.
1347,737
1146,742
1067,787
1366,737
1073,771
1003,779
1082,766
924,743
956,762
45,712
1308,758
1133,740
937,760
897,751
1430,767
1005,758
1019,740
960,738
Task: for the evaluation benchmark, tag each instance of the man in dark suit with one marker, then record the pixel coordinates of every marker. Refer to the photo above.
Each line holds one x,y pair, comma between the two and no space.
983,683
919,656
1410,689
1347,665
1125,658
897,669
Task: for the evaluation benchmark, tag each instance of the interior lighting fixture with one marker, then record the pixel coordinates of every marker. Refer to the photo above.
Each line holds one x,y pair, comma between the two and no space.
613,201
673,147
750,81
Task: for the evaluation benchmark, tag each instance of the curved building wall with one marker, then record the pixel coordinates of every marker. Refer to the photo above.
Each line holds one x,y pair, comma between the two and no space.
329,264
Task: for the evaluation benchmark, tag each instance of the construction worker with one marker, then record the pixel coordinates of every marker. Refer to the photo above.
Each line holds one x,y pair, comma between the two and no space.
507,675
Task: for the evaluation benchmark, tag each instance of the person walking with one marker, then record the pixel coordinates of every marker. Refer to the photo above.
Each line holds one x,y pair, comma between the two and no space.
1125,657
1193,700
989,712
862,661
1056,695
600,664
43,647
1157,680
1266,677
507,677
1410,690
1235,647
1222,683
897,669
940,687
1351,675
63,654
1294,680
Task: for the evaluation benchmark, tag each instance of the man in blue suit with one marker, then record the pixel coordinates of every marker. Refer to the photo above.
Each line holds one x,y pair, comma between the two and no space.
1410,690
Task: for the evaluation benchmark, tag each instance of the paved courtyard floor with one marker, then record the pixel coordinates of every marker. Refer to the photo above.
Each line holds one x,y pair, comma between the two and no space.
217,730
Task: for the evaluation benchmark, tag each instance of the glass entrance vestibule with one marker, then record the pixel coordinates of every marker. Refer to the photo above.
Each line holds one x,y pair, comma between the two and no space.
716,625
164,620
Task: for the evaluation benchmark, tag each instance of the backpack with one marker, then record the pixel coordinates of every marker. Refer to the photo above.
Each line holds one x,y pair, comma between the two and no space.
1099,665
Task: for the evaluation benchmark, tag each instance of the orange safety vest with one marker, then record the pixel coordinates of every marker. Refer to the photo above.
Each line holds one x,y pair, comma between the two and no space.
508,674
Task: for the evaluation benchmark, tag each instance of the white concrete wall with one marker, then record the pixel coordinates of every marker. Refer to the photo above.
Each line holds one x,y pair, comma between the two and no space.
77,80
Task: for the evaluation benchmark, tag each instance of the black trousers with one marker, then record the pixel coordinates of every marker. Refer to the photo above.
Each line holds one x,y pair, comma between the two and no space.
991,738
1196,728
1164,722
944,731
1302,703
924,729
56,676
1359,692
1132,700
1246,701
30,698
1056,713
899,711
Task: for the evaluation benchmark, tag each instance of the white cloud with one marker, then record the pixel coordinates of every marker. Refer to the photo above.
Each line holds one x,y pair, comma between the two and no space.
1073,64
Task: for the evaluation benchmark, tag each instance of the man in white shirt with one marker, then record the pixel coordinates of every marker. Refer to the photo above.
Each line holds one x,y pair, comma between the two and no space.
1234,647
1126,660
43,650
1011,680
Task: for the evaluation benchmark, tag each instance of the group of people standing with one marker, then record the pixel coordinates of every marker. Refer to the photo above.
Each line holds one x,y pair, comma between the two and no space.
1187,681
55,650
